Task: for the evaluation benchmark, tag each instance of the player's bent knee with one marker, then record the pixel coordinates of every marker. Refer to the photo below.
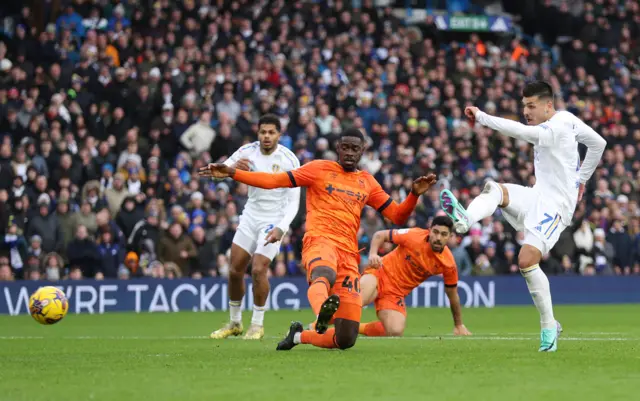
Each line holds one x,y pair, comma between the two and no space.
395,331
529,256
346,340
505,196
324,271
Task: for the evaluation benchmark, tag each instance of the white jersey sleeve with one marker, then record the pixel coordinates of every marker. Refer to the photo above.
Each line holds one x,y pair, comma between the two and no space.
243,152
539,135
293,199
595,148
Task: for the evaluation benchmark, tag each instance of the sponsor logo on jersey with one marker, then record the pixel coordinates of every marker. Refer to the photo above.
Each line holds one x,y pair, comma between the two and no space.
331,190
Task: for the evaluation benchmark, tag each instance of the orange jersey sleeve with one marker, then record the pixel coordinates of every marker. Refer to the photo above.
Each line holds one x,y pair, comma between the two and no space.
300,177
449,268
382,202
401,236
304,176
263,180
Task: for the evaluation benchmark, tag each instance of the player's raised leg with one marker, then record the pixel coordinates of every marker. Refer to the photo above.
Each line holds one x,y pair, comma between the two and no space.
493,196
240,259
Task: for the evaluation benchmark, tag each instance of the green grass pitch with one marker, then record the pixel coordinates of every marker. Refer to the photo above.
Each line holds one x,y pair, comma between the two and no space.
161,357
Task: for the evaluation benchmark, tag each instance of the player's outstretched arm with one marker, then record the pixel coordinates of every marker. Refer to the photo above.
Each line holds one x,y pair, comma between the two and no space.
459,328
379,238
399,213
539,135
255,179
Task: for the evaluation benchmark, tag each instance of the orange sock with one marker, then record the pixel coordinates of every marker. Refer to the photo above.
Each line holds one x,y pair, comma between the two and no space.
373,329
317,293
326,340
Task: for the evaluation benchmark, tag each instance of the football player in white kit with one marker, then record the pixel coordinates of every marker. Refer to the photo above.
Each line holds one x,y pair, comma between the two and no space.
264,221
544,211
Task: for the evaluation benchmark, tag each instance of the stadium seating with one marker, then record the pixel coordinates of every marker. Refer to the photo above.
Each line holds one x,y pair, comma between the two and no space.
96,181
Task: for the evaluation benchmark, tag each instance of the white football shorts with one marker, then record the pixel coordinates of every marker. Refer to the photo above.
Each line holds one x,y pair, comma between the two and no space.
252,233
537,217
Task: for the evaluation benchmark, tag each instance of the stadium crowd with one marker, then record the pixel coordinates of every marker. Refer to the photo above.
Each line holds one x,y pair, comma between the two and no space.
109,107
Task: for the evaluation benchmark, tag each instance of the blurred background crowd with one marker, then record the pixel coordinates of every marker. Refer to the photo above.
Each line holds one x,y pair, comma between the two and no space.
109,107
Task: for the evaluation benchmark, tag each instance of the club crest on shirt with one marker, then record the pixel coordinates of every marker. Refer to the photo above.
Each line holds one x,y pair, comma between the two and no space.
361,182
275,168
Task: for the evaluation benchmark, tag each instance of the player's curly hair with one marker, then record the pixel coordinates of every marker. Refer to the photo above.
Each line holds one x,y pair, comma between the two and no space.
270,119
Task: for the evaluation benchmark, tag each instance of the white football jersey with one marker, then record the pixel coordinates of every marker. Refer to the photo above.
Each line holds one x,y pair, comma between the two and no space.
557,162
264,203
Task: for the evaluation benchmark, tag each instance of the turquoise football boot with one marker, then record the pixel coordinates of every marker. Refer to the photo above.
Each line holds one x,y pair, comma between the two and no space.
455,211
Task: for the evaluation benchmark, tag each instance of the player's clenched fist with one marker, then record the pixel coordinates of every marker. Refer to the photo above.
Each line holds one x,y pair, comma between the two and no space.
422,184
471,111
216,170
375,261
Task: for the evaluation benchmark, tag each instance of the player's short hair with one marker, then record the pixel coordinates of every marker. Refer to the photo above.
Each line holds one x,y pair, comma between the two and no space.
270,119
352,133
443,221
541,89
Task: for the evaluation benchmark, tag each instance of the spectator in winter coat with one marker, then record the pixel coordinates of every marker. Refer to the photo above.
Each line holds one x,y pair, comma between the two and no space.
46,226
145,230
178,248
129,215
111,255
83,252
85,217
15,246
198,138
623,246
603,253
105,223
70,20
91,193
206,258
116,195
67,223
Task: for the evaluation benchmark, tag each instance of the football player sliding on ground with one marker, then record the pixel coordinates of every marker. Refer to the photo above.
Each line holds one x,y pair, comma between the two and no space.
336,194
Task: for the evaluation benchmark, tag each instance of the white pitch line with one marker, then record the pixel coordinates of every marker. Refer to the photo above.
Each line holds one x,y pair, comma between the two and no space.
406,338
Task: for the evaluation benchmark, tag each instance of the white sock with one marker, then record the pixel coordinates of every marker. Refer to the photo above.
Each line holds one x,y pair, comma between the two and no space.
297,338
538,284
486,203
258,315
235,311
